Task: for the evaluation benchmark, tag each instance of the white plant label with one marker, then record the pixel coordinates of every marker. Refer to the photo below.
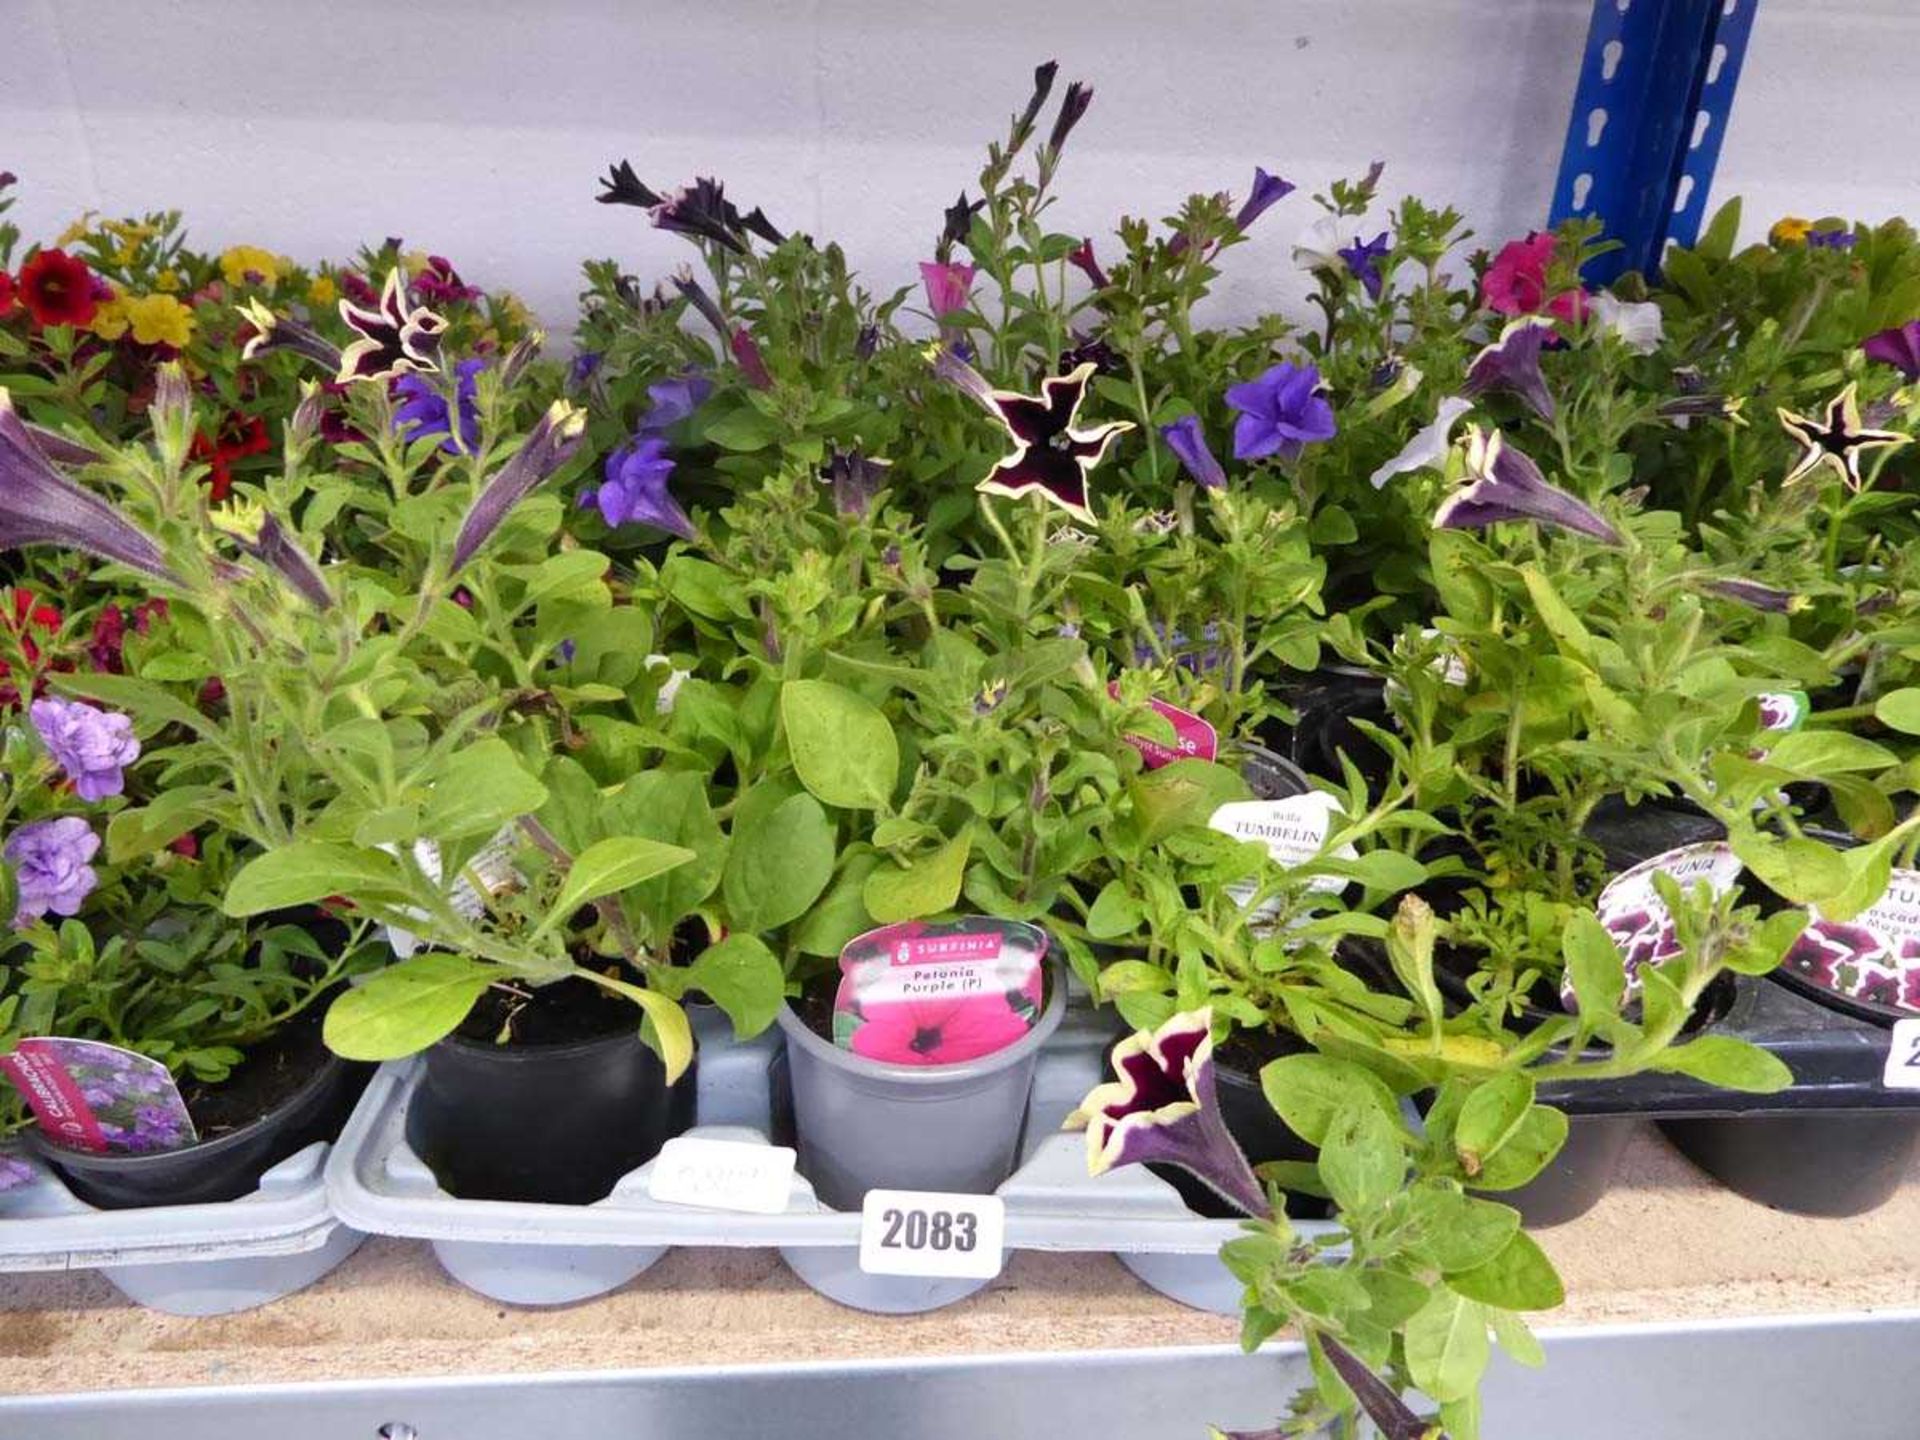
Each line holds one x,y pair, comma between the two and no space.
1903,1057
928,1233
722,1175
1293,830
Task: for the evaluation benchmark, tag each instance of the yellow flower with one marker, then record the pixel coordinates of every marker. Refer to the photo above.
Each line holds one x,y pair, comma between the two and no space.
249,263
78,230
1790,230
110,318
416,262
132,232
160,320
322,292
239,517
167,281
513,315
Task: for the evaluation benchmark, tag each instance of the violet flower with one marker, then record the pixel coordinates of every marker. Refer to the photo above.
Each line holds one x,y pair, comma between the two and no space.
1512,363
1073,105
1051,456
1268,190
1429,446
1189,443
958,224
274,546
394,336
1280,413
424,409
1831,239
623,187
1836,440
277,332
634,490
583,367
1362,259
702,211
40,506
746,353
1753,593
59,449
1042,87
1162,1110
49,860
91,745
698,298
555,437
949,287
855,479
1081,257
674,400
1502,484
1898,347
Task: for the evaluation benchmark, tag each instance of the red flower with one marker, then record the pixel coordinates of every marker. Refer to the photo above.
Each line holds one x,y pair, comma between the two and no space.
238,437
6,294
1516,282
107,645
187,845
57,289
20,618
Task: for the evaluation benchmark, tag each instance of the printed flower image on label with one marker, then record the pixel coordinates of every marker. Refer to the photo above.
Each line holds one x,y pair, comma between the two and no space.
1638,919
1782,710
14,1172
89,1095
1293,830
1194,738
938,993
1874,957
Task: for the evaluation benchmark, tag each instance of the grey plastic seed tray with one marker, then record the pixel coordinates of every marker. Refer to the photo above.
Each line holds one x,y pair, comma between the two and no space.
184,1259
535,1254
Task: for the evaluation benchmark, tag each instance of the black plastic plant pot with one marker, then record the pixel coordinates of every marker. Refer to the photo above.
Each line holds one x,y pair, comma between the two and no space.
1820,1163
1328,702
557,1123
224,1168
1576,1179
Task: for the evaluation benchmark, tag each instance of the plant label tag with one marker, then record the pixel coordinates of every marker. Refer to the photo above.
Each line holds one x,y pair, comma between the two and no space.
493,864
1637,918
938,993
1782,710
1903,1057
925,1232
89,1095
1293,830
1193,738
1874,957
722,1175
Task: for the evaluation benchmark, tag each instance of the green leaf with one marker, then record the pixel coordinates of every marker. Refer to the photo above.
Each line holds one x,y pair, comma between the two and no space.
841,913
669,806
148,704
1717,240
1458,1232
1594,965
743,977
1521,1344
132,834
1528,1151
1729,1062
928,886
744,430
702,587
1446,1345
607,867
1815,753
1310,1092
558,574
1520,1277
1114,913
1899,710
1797,869
1568,633
1184,793
1363,1160
406,1007
481,788
844,751
1492,1112
310,870
778,864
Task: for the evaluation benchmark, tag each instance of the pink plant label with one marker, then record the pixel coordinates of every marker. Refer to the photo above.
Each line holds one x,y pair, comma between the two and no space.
938,993
1194,738
89,1095
1637,918
1874,957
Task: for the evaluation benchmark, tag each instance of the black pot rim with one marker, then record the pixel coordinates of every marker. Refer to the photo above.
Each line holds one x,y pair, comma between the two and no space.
530,1053
1871,1011
322,1078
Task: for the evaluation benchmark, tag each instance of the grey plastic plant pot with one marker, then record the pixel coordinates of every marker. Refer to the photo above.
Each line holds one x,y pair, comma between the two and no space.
862,1124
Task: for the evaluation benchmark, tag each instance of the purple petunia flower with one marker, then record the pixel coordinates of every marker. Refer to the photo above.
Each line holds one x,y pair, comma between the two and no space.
49,859
554,438
1752,592
424,408
393,336
1831,239
855,478
635,489
1280,412
674,400
1503,484
90,745
1267,191
583,366
1187,441
1362,259
1898,347
1512,363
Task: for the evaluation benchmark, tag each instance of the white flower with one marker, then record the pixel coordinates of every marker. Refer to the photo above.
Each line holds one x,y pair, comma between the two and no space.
1319,245
1429,447
670,687
1637,323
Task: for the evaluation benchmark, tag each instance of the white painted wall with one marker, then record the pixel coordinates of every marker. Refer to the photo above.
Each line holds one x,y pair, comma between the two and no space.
477,127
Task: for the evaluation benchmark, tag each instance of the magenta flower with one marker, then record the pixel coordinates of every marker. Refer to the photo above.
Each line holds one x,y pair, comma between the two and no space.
1162,1110
1081,257
1512,363
1267,191
440,284
634,491
1051,455
424,411
1516,282
90,745
394,336
40,506
1281,412
1836,439
747,353
1898,347
1362,259
1502,484
551,444
49,860
949,286
1187,441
